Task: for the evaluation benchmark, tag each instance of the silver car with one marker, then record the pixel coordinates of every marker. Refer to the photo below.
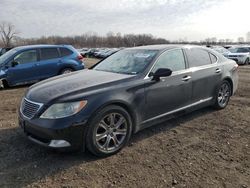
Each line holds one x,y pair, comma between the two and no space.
239,54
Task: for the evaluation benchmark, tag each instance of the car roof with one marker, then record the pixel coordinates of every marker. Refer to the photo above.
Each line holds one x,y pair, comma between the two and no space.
162,47
40,46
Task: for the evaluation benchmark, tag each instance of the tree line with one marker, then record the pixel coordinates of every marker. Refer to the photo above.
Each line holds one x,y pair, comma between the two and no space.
93,40
9,38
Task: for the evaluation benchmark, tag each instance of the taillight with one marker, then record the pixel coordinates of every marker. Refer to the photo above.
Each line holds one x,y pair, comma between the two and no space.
236,66
80,58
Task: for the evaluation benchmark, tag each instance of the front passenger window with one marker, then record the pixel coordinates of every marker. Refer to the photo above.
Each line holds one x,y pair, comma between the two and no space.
26,57
173,60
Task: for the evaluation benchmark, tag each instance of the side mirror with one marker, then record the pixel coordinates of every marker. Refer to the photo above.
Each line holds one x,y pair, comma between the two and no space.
14,63
160,73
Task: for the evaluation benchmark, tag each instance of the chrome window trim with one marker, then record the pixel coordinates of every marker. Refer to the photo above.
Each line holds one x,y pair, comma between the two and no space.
178,109
217,58
39,104
191,69
156,60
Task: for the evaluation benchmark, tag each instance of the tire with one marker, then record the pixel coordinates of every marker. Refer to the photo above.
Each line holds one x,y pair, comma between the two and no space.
247,61
66,71
5,84
223,95
105,138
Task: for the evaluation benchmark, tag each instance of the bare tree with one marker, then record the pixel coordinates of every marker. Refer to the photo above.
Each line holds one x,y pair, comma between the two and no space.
8,33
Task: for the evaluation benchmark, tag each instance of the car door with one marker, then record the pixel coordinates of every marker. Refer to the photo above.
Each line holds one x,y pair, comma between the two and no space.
206,73
49,63
169,93
22,66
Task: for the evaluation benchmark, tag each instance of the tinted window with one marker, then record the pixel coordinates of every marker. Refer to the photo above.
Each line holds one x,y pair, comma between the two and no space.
242,50
49,53
198,57
26,57
65,52
173,60
213,58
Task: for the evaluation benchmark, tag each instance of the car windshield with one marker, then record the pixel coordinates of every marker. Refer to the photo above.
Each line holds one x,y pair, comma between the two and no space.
128,61
6,55
221,50
233,50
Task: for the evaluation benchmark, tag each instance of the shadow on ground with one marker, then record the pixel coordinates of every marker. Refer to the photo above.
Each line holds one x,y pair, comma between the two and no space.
23,162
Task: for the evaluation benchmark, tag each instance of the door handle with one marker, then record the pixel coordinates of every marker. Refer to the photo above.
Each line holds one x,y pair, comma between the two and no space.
186,78
218,70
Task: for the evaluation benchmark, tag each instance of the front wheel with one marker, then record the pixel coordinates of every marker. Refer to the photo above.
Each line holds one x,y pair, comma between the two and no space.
5,84
247,61
66,71
109,131
223,95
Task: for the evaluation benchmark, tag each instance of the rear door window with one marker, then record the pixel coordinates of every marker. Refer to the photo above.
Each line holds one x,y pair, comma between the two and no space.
26,57
65,52
198,57
49,53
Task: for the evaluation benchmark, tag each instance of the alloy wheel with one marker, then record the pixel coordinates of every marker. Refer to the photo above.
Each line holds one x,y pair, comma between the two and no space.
224,94
111,132
66,71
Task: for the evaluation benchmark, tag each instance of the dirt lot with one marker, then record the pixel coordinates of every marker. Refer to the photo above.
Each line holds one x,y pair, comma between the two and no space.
206,148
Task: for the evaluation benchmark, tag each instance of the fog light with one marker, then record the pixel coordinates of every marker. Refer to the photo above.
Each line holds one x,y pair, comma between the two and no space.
59,143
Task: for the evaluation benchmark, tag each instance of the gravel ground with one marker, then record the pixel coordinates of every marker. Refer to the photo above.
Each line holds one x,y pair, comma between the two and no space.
206,148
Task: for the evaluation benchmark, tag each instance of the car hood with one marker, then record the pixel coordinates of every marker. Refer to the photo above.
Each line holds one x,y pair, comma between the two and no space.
73,83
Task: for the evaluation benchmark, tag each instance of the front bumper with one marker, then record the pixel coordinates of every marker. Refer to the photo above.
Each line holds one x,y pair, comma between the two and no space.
69,137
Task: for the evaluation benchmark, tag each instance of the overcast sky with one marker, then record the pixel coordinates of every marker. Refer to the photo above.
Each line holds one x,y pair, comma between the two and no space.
171,19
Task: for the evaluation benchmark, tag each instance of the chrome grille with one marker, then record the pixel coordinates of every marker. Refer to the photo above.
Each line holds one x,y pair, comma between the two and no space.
29,108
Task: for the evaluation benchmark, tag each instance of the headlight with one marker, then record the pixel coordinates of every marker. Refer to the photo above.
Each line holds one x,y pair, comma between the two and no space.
61,110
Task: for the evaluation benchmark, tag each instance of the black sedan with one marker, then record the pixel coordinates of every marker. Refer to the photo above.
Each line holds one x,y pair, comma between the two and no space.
100,108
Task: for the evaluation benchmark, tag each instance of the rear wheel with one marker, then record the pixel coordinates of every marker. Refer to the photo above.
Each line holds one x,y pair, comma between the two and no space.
66,71
223,95
109,131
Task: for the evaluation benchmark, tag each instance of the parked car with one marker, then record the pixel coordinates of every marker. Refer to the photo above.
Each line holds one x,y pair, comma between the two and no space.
130,90
221,50
247,46
29,64
239,54
90,52
105,53
84,52
4,50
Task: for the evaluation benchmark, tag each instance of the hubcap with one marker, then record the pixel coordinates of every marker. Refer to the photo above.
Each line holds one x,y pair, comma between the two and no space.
224,94
111,132
66,71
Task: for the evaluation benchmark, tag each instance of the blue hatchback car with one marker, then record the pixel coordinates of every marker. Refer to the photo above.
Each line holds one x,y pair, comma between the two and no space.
29,64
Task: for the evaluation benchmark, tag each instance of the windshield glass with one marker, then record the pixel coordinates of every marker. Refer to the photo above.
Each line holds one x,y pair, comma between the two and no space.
233,50
6,55
221,50
131,61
